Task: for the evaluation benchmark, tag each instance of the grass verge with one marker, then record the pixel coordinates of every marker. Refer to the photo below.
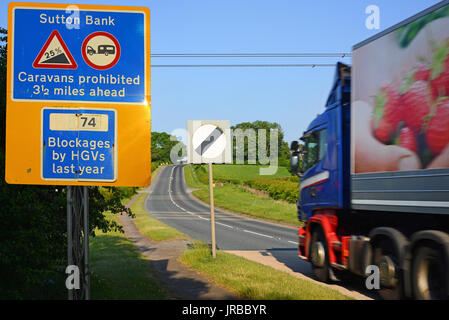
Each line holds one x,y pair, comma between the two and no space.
251,280
119,271
244,201
150,227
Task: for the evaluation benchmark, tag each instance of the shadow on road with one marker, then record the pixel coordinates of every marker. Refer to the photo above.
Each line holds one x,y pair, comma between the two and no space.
289,258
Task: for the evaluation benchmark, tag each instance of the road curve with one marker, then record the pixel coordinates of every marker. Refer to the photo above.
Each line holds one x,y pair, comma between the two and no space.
171,203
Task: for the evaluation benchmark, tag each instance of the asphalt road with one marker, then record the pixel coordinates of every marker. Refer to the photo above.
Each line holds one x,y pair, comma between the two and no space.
171,203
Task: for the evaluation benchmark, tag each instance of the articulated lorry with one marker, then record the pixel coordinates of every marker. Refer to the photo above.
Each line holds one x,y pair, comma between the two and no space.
374,166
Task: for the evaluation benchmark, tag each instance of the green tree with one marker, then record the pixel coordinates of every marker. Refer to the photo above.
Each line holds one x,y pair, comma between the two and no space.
161,146
33,239
283,149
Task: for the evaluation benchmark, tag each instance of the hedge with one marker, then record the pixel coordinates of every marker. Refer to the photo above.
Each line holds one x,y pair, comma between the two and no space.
278,188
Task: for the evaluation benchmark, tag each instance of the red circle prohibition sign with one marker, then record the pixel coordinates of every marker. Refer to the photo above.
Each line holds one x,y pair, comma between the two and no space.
84,51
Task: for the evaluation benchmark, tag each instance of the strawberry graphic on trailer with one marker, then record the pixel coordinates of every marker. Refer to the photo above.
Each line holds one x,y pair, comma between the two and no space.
416,104
382,130
439,82
438,130
387,113
407,139
421,72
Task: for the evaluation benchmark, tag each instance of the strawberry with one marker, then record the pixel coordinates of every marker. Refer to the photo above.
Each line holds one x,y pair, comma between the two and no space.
382,130
437,134
392,106
439,78
416,105
387,113
440,85
407,139
421,73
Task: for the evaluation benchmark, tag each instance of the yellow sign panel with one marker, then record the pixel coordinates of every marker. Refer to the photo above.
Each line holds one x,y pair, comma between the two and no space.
78,95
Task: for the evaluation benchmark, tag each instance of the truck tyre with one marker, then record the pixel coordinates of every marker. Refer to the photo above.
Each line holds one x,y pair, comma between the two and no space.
429,273
385,257
319,255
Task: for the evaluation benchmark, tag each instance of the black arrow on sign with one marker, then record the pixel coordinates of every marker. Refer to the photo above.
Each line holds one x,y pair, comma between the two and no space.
209,141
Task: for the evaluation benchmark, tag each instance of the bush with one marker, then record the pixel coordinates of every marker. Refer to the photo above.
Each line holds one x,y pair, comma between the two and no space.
201,173
283,188
33,227
155,165
33,233
127,192
280,188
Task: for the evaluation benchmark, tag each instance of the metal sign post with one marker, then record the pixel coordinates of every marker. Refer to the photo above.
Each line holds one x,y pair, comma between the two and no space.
78,238
69,233
86,243
212,210
209,141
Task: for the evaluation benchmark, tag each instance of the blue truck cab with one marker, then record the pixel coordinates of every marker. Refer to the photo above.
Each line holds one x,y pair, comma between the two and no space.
326,152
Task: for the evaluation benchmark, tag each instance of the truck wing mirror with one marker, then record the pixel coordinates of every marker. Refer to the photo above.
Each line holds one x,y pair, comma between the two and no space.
294,146
295,163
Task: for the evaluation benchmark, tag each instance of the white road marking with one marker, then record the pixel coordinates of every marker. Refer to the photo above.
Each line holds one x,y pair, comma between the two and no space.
222,224
202,218
259,234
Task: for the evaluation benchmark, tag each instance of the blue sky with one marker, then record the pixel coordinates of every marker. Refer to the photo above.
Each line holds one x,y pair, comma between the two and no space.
290,96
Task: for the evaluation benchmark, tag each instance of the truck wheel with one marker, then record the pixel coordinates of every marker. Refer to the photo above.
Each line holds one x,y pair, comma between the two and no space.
319,256
429,274
386,259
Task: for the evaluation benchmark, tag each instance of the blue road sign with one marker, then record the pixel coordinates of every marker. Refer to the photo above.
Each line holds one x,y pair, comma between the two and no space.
83,55
79,144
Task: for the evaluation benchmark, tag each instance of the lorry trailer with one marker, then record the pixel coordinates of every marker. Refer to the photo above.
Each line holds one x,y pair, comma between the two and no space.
374,166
